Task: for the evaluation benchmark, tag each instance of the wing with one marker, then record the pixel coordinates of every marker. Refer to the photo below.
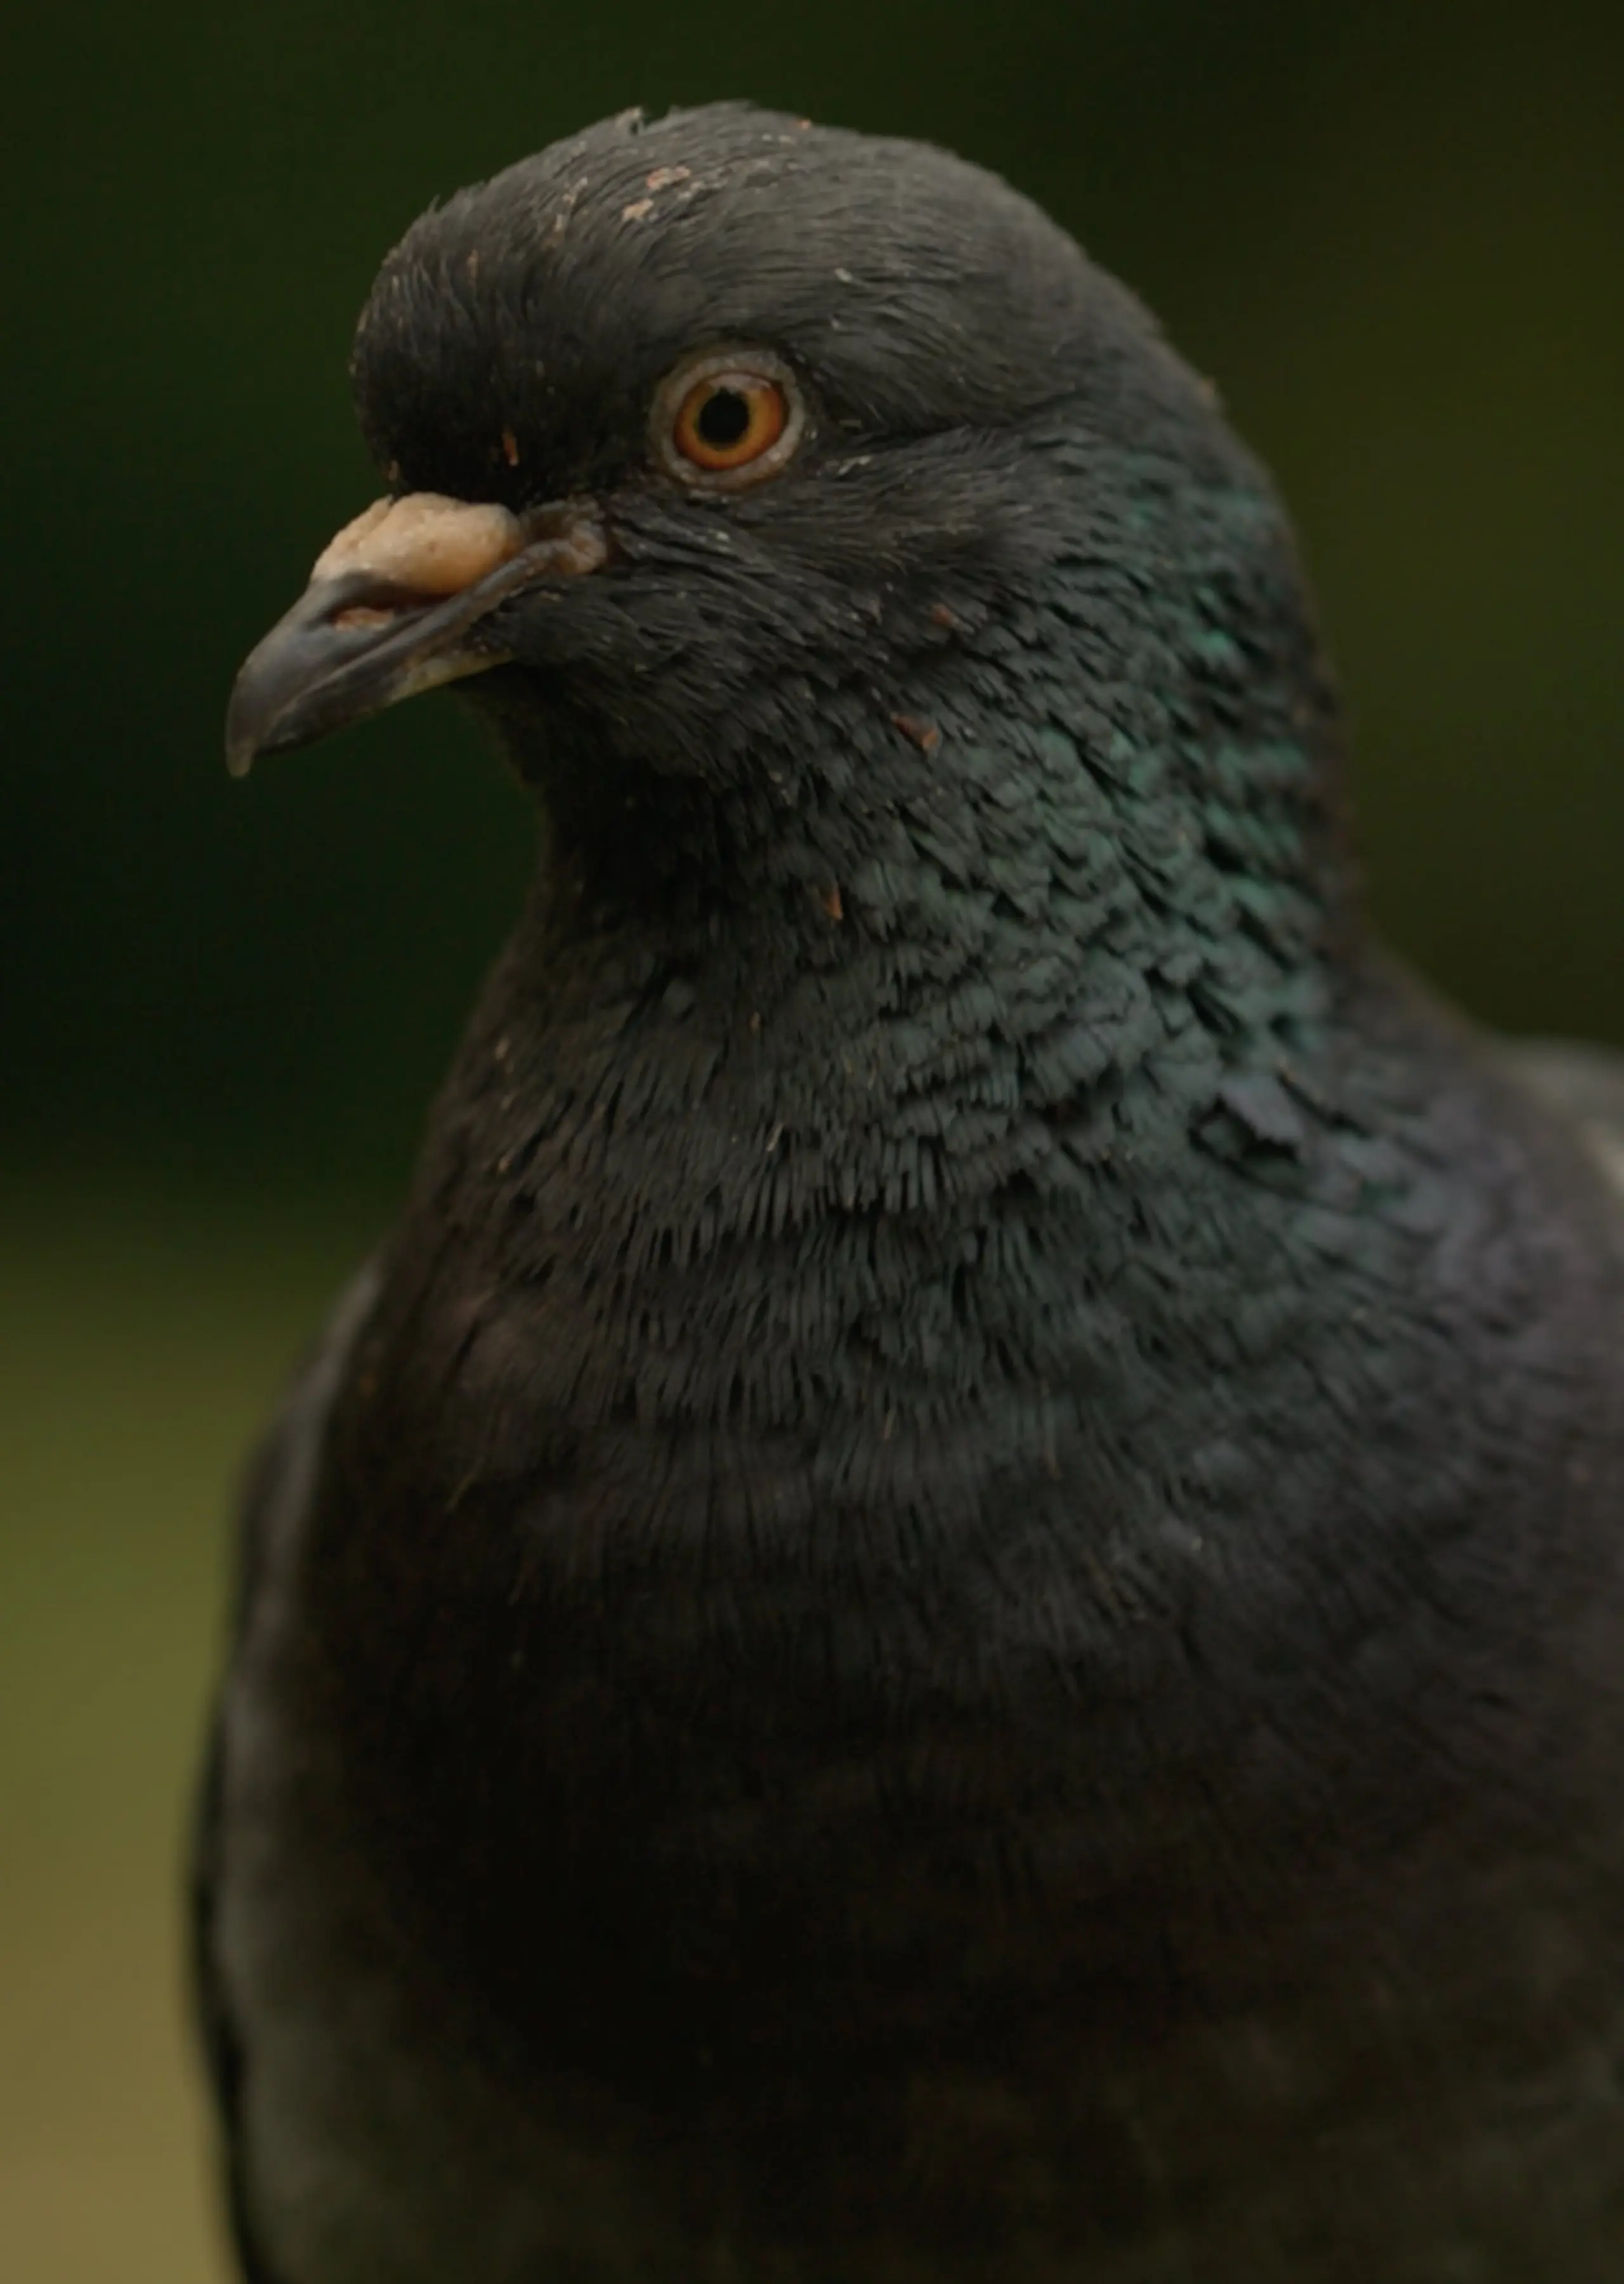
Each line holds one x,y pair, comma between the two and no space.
276,1496
1583,1084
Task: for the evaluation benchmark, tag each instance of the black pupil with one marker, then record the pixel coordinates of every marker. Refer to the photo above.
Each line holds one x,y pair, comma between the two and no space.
724,417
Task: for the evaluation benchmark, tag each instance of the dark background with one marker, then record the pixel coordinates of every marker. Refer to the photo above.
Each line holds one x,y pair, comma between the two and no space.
1392,232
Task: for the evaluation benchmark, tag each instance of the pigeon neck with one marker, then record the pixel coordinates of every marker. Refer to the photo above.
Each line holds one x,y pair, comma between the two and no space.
982,927
1043,1108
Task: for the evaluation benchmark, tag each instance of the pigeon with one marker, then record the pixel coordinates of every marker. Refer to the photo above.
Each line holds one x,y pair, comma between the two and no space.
951,1606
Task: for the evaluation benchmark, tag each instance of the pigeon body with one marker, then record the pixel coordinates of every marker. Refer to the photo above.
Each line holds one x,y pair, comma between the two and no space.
950,1607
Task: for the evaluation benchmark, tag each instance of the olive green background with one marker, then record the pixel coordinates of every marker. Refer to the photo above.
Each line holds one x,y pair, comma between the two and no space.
1393,233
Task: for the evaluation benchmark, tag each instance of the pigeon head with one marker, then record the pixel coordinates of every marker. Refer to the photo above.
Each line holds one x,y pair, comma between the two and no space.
731,449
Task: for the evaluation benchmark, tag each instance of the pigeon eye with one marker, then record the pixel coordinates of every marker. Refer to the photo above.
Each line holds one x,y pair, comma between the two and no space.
725,421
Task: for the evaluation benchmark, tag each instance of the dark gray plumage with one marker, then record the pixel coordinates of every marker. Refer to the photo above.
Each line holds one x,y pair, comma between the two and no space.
951,1607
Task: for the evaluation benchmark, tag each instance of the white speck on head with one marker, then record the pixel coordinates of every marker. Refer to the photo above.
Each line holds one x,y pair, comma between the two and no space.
567,207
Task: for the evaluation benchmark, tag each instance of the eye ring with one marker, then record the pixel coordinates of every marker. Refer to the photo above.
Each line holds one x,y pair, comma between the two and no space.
728,419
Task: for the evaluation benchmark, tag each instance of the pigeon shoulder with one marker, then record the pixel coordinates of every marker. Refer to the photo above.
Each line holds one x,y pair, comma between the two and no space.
270,1523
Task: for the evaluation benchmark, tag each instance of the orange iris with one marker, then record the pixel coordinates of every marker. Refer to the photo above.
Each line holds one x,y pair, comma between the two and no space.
729,419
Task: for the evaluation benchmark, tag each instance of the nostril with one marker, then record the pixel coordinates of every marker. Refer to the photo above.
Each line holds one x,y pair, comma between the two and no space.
433,545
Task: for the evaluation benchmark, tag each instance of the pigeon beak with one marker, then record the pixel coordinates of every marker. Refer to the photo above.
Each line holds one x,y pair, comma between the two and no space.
395,605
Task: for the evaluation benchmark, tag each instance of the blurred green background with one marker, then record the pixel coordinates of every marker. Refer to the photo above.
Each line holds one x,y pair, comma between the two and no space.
1393,233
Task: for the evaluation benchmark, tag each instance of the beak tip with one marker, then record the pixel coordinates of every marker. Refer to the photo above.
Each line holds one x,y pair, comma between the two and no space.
245,725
